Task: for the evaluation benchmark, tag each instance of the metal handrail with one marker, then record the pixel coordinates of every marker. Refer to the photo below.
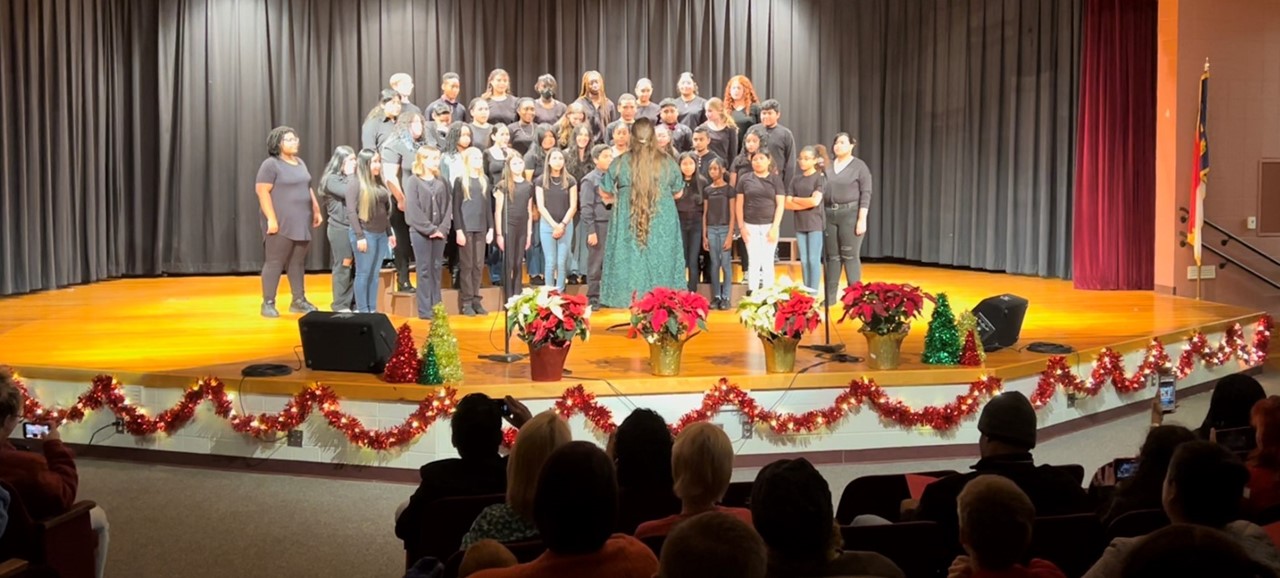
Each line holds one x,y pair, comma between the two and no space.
1237,263
1230,237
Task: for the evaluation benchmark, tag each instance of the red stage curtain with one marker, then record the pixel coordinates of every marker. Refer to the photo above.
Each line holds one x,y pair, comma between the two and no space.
1115,192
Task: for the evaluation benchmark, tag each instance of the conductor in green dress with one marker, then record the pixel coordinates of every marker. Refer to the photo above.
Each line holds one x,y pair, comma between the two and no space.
643,249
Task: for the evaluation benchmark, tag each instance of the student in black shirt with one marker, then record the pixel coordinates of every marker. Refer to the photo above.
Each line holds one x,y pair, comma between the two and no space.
662,137
761,197
595,103
380,120
741,164
369,213
429,210
847,201
522,130
578,153
289,212
622,140
557,199
437,131
742,105
689,106
722,133
689,205
480,126
473,223
717,238
702,152
495,160
574,117
450,87
547,110
645,107
544,142
397,156
402,83
681,135
595,219
779,140
804,199
339,177
514,196
502,104
626,116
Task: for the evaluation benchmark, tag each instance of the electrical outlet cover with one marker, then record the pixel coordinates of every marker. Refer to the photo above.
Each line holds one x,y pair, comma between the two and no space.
295,438
1192,273
1251,223
1208,272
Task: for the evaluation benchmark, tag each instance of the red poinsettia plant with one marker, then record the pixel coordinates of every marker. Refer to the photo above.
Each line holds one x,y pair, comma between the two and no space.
668,314
883,308
545,316
785,310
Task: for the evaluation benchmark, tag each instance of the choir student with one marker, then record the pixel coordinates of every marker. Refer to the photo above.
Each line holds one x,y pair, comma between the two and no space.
339,177
718,227
848,200
522,129
402,83
804,199
595,219
502,104
480,125
702,151
547,110
557,199
689,205
689,105
429,209
473,226
369,213
723,134
645,107
681,135
574,117
437,131
599,110
779,141
760,204
289,212
514,196
397,157
450,87
626,116
742,104
380,120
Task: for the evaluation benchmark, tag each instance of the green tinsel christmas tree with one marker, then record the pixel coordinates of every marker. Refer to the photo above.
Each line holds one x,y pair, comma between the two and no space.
430,367
446,347
942,344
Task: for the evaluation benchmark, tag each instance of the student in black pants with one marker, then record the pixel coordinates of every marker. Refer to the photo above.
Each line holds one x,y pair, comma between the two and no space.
473,220
289,212
689,207
847,199
595,219
338,180
429,209
397,157
514,195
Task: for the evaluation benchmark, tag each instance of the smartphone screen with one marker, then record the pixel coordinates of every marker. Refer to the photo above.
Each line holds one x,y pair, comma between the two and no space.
1240,440
34,431
1168,393
1125,468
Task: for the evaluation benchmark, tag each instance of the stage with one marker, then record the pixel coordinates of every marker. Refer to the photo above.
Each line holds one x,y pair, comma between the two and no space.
159,336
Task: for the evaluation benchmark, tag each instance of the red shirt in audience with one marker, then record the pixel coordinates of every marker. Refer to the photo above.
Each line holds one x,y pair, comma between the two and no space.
663,526
1036,569
621,557
47,483
1264,489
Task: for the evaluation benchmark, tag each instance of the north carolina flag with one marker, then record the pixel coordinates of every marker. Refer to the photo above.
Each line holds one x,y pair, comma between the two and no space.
1200,173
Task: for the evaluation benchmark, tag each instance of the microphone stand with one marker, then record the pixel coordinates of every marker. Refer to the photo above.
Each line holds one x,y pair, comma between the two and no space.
506,356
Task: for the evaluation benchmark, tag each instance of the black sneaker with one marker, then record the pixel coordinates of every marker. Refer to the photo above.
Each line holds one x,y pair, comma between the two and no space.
479,309
269,309
468,311
301,306
405,288
537,280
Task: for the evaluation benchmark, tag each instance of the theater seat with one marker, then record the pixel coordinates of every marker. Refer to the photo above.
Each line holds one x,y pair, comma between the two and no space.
61,546
1073,542
1136,523
448,520
879,495
916,547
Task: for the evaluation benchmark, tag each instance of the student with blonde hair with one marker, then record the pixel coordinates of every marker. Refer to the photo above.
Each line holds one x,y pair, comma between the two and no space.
429,211
473,226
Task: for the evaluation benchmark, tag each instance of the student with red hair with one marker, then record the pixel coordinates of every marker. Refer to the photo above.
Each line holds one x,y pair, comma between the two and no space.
1264,461
742,104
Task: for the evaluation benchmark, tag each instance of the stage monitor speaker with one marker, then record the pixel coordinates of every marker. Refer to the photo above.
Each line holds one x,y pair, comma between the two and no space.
360,342
1000,320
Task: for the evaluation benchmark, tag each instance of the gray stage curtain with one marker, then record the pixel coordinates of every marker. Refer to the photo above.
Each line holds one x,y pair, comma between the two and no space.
132,129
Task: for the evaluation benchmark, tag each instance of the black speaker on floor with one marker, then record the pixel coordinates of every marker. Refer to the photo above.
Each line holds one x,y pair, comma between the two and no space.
360,342
1000,320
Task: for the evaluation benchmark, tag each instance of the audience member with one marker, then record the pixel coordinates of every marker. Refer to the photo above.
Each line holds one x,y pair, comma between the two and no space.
1143,490
575,512
4,511
702,463
1205,486
791,509
641,451
1190,551
512,521
996,519
484,555
1008,428
713,545
478,470
1264,460
46,483
1231,404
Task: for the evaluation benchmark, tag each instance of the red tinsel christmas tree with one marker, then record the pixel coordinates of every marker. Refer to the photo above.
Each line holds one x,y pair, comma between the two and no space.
969,354
405,364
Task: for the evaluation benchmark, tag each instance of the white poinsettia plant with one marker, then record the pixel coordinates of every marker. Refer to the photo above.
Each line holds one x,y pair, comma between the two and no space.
787,309
543,316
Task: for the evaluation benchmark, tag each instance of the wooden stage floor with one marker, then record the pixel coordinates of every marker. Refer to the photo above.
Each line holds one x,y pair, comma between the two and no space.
167,332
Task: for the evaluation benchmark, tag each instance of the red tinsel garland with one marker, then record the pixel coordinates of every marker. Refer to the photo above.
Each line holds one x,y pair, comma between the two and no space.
106,392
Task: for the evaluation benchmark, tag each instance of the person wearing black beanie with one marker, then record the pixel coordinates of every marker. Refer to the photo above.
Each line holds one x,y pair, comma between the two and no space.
1008,428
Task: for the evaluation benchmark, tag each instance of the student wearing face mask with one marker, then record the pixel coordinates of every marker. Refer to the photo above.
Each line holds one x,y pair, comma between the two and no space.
547,110
645,107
